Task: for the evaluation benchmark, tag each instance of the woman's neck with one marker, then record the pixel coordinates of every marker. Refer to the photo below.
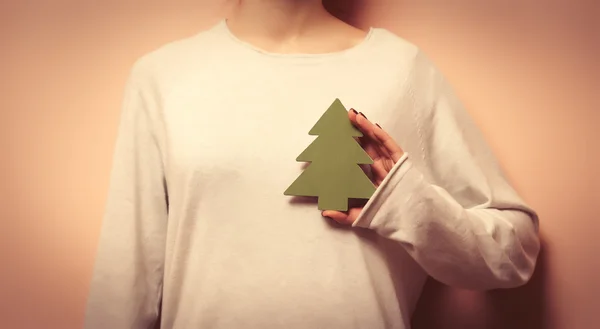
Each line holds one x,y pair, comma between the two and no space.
289,26
279,20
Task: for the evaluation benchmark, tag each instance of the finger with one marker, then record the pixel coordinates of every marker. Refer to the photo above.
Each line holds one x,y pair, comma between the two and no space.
352,116
388,143
378,172
360,120
376,139
370,130
366,142
384,154
379,156
372,149
338,216
388,147
345,218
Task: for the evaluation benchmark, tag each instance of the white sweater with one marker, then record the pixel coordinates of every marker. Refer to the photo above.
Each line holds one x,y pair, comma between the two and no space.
198,230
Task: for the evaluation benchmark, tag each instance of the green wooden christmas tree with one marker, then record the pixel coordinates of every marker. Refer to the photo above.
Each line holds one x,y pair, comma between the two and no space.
334,174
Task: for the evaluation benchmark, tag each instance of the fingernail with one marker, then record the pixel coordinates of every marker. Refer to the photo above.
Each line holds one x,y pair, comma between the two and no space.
364,116
378,126
353,110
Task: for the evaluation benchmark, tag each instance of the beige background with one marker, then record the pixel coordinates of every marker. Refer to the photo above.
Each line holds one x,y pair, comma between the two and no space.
528,73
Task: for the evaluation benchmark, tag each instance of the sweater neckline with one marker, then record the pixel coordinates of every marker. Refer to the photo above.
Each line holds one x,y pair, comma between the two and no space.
223,27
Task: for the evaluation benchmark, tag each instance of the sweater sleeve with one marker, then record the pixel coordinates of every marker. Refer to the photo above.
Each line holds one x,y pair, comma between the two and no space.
447,202
127,278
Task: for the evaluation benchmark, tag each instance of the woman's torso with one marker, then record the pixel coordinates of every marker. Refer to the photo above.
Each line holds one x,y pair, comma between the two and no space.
241,254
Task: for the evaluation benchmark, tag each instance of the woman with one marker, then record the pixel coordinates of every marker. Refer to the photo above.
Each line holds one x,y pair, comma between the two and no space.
198,231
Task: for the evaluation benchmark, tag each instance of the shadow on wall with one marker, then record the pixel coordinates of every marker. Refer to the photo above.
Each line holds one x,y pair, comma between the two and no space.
518,308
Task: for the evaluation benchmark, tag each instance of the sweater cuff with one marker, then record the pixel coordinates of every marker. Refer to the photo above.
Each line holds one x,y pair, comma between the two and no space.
392,196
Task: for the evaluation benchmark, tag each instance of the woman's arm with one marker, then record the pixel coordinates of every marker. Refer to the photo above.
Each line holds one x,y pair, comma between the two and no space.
127,278
447,201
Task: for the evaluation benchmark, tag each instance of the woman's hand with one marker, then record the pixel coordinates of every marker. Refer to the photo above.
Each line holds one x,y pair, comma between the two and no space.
381,148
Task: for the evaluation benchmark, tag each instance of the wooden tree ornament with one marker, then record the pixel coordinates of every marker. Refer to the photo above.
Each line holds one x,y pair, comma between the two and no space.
334,174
